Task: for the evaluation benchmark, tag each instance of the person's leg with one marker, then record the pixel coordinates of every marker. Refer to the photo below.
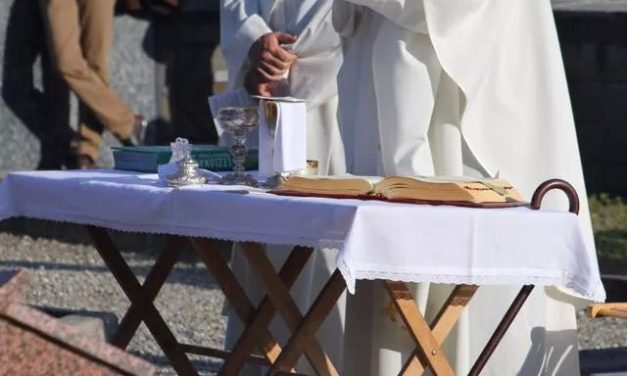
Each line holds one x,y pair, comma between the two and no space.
19,91
89,137
189,77
96,24
63,18
56,145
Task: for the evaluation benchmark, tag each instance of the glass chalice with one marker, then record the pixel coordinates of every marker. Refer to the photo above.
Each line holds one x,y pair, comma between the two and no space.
238,121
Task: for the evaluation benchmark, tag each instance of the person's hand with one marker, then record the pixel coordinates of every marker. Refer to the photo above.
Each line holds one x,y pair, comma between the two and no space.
269,59
254,86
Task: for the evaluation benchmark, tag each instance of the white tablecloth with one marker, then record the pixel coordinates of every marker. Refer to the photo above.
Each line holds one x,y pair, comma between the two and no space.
412,243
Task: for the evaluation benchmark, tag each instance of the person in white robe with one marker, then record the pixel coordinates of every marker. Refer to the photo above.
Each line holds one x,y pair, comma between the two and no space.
290,47
311,77
473,88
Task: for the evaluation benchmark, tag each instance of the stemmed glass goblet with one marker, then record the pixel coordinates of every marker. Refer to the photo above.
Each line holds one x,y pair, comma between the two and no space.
238,121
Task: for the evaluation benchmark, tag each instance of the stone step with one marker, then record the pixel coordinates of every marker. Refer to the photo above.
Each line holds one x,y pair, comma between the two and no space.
99,325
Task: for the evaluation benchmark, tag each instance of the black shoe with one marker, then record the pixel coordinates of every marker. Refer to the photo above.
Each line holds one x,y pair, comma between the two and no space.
138,136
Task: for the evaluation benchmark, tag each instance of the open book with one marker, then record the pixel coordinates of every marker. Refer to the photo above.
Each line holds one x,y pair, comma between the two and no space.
436,191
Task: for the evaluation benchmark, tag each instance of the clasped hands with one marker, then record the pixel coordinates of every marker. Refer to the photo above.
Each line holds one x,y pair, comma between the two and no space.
270,61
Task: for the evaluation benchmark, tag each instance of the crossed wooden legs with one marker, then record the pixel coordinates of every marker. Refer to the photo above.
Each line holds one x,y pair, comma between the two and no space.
278,298
321,307
140,297
257,319
428,338
264,314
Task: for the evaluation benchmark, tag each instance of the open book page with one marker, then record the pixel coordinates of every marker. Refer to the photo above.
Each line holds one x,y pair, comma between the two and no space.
476,191
331,187
439,190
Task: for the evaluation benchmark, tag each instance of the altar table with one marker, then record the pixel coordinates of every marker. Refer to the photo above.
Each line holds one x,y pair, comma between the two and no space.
395,243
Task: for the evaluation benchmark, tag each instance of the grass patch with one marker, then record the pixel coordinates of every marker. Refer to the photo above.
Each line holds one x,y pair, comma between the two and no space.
609,221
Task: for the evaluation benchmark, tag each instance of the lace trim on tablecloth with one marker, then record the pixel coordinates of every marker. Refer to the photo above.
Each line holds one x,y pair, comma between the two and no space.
575,283
201,232
345,270
578,285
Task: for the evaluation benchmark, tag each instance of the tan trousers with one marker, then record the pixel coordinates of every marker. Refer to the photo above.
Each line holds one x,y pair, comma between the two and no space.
80,36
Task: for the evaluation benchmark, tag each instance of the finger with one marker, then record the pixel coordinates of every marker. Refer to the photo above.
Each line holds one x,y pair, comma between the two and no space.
283,55
272,69
286,38
264,90
270,58
261,79
267,76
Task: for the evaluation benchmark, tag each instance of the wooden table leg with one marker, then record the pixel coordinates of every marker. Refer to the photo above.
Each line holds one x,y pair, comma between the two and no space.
318,311
133,290
427,345
289,272
285,305
234,293
442,325
498,334
154,281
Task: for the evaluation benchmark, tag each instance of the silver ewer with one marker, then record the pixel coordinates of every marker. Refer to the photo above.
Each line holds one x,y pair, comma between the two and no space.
186,173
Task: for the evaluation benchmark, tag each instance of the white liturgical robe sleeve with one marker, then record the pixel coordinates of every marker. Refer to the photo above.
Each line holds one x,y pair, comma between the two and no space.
241,24
318,46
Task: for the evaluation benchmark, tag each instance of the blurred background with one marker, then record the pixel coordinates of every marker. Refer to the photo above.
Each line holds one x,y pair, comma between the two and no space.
164,64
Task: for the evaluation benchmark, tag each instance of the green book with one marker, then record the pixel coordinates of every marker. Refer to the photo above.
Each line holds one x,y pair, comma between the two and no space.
146,158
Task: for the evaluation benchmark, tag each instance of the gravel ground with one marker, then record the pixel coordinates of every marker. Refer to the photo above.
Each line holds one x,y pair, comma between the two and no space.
601,333
68,273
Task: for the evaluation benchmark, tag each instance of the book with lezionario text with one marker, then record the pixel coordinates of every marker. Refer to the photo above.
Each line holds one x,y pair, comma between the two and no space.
147,158
425,190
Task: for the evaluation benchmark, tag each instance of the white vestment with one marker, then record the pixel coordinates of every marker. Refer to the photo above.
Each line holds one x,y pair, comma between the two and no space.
311,77
453,87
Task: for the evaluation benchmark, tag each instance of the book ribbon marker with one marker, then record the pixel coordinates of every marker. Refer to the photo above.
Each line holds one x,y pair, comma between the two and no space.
502,191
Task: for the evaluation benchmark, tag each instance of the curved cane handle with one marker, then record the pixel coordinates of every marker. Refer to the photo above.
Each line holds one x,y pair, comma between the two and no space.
562,185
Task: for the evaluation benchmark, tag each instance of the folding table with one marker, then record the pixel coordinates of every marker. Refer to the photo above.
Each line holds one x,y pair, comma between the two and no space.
359,230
